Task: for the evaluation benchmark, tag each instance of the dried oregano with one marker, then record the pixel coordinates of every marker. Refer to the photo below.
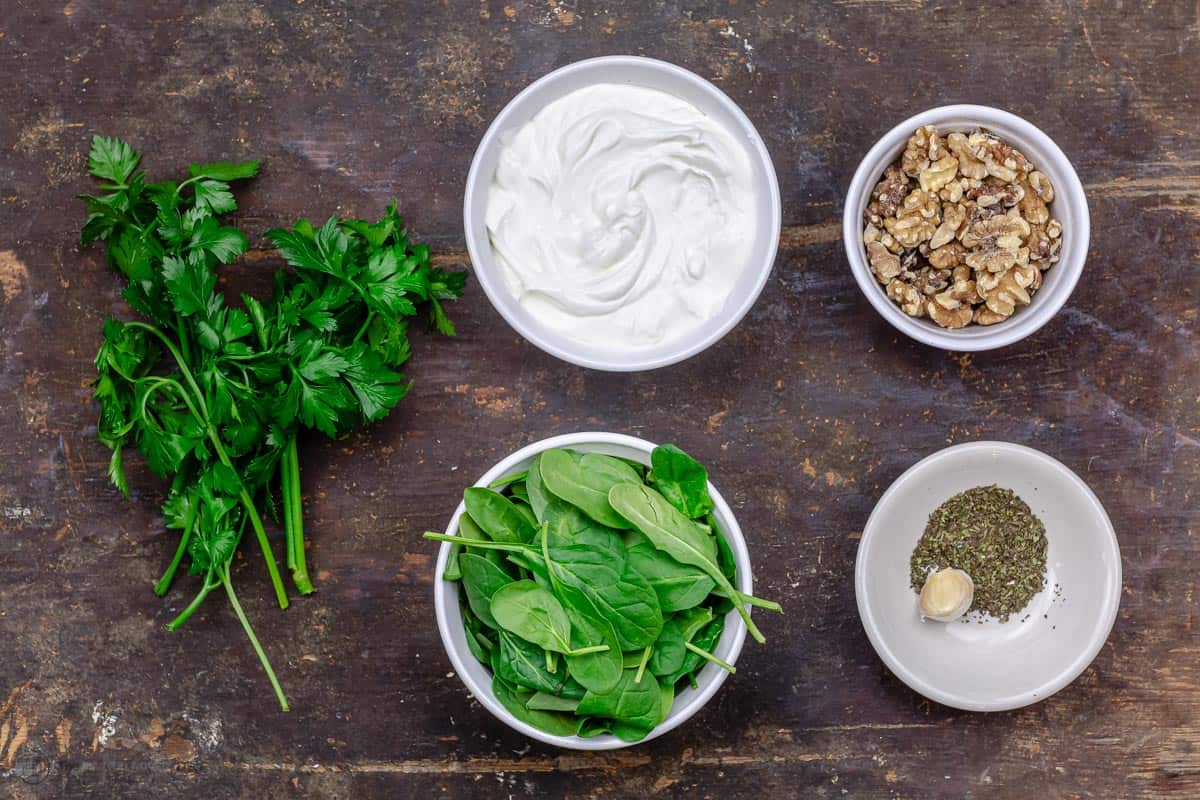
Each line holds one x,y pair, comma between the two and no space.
991,534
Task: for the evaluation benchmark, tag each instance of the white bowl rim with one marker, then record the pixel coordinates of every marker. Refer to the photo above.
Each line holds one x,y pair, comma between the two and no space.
1069,189
633,361
710,679
1072,670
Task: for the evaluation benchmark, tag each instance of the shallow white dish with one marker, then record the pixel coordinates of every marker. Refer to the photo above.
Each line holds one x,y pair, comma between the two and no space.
653,74
990,666
479,679
1069,207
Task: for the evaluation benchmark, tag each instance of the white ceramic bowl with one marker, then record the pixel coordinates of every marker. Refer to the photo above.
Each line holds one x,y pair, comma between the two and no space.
1069,207
653,74
991,666
479,678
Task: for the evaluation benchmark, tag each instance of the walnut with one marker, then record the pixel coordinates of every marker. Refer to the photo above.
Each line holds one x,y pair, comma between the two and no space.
968,165
907,296
961,292
949,318
938,174
994,195
947,256
915,220
886,197
1038,242
960,229
923,147
931,281
1041,186
1033,208
1007,295
1001,160
885,264
985,316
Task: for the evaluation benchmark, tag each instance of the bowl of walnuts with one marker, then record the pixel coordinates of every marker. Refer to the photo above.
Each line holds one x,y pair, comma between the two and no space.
966,227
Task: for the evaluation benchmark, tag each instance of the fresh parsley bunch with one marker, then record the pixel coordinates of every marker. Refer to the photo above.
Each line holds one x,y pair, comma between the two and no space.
214,396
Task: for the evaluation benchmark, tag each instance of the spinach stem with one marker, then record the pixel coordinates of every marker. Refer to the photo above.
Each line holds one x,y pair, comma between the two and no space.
262,656
707,656
583,651
642,666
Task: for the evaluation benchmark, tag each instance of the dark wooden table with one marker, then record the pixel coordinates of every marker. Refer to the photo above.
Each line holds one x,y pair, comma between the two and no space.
805,413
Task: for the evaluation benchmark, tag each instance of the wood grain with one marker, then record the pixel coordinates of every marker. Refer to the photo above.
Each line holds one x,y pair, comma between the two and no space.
805,413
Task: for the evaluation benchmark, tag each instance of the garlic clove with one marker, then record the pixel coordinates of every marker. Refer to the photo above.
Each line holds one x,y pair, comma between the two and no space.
946,595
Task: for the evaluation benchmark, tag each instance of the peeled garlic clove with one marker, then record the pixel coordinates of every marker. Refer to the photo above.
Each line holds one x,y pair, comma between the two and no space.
946,595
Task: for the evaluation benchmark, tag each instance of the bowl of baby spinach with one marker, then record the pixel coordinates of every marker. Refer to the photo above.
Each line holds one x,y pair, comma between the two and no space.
594,590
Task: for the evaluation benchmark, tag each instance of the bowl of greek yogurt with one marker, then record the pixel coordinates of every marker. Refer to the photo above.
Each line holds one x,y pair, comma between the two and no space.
622,213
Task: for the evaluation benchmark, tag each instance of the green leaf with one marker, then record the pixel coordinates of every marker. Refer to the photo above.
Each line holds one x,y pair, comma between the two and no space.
552,722
531,612
678,586
669,650
111,159
585,482
481,579
682,480
497,516
638,704
215,196
189,286
613,591
685,541
225,170
225,244
524,664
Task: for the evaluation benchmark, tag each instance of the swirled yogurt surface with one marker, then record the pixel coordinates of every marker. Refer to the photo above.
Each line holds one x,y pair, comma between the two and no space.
621,216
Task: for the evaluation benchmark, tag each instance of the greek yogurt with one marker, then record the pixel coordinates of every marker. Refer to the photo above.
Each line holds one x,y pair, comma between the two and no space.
621,216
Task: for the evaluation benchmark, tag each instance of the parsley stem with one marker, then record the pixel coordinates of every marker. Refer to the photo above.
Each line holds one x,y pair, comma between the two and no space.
164,583
192,606
202,416
295,505
223,571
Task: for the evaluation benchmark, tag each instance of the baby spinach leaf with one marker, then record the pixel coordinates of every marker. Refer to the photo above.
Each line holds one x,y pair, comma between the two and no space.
534,614
597,671
613,591
706,640
681,479
541,701
669,530
497,516
678,586
477,641
636,704
669,650
538,496
514,700
481,579
524,664
585,483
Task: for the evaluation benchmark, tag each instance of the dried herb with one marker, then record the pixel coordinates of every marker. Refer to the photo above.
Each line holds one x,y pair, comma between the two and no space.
991,534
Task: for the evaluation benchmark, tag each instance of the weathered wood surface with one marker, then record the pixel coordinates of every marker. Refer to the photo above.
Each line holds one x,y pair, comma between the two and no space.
805,413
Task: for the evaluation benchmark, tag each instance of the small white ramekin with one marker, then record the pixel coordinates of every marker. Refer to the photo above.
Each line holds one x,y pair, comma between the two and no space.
991,666
479,678
1069,207
653,74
